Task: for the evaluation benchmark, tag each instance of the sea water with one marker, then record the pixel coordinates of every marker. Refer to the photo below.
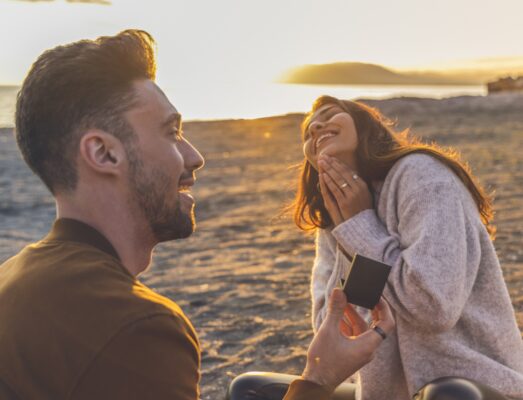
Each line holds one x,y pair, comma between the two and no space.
234,100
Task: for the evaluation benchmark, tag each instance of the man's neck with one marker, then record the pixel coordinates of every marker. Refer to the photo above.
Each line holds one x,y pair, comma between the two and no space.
132,241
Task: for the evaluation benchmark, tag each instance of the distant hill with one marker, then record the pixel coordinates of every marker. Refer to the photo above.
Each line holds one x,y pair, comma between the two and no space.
356,73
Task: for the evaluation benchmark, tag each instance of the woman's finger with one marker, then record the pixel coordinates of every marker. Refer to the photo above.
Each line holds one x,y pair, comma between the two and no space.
330,201
328,197
346,174
336,176
342,197
352,178
333,187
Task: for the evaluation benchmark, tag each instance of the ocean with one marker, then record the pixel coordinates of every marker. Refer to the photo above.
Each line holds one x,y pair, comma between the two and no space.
235,101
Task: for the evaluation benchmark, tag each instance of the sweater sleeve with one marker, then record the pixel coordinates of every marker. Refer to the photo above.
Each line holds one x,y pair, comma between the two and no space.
434,256
154,358
330,264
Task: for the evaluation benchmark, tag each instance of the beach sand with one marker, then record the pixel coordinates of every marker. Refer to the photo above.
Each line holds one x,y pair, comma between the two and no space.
243,277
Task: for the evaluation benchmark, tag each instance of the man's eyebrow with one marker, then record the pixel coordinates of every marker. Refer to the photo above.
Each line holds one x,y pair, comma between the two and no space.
174,118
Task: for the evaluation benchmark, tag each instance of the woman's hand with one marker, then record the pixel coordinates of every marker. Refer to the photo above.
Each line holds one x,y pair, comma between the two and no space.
344,343
345,194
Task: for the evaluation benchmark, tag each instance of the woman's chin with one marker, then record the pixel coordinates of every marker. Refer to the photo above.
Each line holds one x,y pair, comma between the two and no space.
328,151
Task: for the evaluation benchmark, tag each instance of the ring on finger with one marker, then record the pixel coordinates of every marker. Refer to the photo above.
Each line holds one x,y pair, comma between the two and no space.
355,177
344,185
380,332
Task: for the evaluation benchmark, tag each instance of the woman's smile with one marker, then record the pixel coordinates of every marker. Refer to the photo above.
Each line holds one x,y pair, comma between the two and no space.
324,137
330,122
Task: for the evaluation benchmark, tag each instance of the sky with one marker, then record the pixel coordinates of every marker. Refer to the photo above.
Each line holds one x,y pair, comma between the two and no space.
248,41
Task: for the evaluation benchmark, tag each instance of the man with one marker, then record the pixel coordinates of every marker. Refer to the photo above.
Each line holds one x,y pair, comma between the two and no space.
75,323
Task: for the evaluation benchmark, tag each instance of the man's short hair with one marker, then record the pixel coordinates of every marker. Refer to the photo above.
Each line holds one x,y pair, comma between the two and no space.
72,88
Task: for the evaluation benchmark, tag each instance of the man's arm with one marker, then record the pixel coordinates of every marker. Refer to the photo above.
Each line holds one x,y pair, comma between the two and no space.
343,345
152,358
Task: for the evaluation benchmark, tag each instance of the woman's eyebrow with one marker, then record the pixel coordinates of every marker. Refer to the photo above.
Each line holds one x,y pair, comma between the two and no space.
326,110
321,114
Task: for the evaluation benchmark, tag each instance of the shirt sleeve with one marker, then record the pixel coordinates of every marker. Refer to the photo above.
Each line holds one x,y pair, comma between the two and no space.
153,358
434,256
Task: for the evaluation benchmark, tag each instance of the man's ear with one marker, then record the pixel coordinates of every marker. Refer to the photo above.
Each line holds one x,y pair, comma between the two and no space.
102,152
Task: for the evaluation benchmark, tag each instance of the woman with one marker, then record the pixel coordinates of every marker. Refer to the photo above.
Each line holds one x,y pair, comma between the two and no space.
369,190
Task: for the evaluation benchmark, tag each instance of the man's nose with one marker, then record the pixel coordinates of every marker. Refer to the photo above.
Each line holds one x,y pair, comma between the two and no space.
193,159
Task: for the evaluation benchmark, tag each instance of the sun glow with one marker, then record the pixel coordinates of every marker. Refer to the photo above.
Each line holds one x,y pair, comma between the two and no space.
217,55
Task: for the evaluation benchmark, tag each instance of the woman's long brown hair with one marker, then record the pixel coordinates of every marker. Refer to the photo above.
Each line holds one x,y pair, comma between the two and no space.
379,148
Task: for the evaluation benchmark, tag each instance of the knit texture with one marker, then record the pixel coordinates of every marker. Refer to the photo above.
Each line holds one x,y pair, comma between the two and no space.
453,312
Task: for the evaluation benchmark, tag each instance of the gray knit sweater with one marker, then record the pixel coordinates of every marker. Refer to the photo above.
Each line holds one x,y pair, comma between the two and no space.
453,312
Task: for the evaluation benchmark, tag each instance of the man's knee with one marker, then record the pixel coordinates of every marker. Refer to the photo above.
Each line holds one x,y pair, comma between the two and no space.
449,389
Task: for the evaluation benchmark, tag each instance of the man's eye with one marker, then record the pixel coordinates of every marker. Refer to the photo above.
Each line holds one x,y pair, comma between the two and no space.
177,134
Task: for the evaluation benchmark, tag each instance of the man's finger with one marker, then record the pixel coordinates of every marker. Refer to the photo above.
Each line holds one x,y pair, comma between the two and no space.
337,302
355,318
369,340
346,329
385,319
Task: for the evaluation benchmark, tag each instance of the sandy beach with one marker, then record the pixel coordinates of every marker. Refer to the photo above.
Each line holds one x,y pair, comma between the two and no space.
243,277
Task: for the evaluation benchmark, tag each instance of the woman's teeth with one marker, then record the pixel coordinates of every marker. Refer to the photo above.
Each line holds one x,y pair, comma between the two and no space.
325,136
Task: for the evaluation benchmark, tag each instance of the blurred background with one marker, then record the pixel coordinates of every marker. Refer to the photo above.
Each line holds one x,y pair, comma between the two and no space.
230,58
243,72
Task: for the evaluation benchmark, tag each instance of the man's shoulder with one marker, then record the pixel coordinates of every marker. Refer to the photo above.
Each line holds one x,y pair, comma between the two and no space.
77,283
74,305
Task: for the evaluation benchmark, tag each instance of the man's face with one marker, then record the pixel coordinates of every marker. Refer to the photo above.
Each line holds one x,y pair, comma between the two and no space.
161,165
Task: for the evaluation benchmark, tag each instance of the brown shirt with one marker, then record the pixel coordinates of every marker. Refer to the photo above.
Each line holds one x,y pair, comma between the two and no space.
75,324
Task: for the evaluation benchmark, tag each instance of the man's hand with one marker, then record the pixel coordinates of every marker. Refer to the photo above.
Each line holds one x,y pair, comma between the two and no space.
344,193
344,343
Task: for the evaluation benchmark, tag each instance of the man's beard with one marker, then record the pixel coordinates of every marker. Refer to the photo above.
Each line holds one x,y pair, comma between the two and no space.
150,191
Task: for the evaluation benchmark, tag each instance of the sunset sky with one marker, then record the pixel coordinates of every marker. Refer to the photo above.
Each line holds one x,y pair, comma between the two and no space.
250,41
220,58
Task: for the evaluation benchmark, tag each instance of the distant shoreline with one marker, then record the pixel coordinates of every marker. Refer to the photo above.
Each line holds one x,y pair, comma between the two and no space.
265,99
350,73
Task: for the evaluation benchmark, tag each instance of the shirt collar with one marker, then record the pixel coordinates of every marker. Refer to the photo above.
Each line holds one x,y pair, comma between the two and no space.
67,229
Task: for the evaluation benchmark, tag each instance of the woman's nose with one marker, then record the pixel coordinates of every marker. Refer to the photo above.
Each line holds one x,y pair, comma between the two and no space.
316,126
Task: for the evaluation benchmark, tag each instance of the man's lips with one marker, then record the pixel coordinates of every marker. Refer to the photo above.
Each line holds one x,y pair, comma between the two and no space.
187,179
186,184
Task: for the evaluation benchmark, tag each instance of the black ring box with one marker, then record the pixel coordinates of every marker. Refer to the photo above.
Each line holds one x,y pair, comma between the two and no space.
365,281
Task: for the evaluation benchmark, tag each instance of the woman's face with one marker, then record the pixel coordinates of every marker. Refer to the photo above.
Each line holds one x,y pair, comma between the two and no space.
331,131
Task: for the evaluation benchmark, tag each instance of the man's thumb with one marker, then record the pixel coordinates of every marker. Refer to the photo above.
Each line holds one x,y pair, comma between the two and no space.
337,303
